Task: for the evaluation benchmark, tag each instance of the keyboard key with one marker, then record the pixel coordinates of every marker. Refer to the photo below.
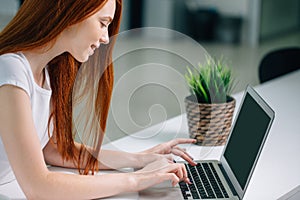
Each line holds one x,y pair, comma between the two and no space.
206,184
205,181
219,181
212,180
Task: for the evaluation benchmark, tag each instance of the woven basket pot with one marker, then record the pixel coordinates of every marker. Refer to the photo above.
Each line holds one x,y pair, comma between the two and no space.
209,123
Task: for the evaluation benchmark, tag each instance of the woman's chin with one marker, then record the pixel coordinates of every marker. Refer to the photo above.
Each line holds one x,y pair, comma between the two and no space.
82,58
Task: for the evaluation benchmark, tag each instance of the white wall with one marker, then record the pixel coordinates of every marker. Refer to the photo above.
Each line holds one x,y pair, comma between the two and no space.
158,13
8,7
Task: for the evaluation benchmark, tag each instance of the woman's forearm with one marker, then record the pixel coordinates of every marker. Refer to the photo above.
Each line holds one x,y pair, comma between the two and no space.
117,160
71,186
108,159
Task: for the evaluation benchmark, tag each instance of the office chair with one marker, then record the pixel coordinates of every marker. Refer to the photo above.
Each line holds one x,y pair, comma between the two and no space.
279,62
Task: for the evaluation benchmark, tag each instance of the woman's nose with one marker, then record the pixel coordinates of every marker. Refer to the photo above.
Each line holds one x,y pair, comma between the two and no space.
104,38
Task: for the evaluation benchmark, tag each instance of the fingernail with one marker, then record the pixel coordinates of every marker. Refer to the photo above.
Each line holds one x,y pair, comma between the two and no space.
188,181
194,163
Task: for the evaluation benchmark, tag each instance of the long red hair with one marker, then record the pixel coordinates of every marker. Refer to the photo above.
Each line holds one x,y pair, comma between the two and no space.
37,24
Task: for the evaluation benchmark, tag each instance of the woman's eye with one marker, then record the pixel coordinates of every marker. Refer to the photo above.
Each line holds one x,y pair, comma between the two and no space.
103,25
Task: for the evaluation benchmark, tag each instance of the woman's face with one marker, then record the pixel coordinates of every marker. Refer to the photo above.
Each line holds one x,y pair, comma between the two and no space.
83,38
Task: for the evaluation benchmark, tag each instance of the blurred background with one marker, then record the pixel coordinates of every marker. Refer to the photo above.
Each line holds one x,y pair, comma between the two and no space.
150,65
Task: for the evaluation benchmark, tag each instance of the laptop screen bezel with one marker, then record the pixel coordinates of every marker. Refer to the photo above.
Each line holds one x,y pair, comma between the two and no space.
268,110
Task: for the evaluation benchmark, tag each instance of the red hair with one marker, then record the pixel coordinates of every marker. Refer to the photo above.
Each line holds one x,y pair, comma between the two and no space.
37,24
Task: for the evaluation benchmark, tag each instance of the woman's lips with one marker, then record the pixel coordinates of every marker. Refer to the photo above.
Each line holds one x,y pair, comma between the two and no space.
93,48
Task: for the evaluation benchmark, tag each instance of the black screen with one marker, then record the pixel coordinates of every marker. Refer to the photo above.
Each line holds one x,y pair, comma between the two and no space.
246,138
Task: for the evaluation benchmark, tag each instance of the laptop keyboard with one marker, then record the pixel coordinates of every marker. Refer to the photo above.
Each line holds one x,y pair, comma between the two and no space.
206,184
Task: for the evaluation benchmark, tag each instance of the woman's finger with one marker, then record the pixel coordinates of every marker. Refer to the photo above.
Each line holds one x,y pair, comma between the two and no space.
177,141
179,171
170,176
184,151
185,176
182,173
183,156
169,157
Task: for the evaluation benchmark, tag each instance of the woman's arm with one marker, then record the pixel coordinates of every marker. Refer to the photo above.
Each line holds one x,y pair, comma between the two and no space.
118,159
108,159
25,155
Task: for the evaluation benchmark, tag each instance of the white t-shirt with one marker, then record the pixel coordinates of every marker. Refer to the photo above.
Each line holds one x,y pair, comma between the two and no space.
15,70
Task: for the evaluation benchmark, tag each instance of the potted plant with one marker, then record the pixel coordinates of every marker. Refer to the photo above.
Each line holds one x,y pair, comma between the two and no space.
210,107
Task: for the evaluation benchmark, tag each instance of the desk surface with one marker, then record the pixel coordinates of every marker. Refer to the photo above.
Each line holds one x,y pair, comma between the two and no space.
277,170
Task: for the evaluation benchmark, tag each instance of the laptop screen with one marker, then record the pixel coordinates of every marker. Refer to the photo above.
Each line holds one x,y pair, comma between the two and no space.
246,138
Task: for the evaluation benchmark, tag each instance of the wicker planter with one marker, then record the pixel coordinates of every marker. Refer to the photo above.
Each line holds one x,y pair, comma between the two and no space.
209,123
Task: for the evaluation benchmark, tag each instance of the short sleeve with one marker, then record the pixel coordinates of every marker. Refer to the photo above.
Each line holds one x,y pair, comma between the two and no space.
13,71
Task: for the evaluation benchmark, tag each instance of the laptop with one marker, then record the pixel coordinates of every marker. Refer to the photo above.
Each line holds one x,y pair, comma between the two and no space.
229,177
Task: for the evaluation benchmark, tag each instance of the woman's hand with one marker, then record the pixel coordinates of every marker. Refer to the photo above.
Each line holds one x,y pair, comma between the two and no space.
172,148
159,171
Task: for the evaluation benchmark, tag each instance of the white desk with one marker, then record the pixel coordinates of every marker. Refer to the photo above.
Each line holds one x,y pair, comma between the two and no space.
277,170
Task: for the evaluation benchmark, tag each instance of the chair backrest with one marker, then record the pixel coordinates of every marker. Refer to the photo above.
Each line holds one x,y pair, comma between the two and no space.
279,62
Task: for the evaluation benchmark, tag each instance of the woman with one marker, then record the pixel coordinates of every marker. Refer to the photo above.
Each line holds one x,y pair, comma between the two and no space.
41,52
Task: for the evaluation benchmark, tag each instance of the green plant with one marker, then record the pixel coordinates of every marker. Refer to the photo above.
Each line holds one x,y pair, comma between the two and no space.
211,82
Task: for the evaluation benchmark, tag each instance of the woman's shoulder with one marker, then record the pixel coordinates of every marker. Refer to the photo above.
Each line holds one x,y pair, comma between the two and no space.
12,60
14,71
